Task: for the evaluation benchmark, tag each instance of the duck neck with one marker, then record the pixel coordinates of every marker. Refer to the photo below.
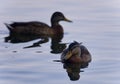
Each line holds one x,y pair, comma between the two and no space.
57,28
54,23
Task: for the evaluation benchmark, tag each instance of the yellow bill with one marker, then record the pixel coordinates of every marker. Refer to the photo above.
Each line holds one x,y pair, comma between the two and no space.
67,20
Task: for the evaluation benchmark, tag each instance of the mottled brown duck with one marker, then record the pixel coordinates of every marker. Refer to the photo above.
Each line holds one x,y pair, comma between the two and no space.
76,53
39,28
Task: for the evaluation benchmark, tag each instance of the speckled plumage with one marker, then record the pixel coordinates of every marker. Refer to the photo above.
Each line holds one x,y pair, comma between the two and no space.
76,53
39,28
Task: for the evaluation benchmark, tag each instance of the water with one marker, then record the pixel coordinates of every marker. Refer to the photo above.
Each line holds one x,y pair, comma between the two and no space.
96,23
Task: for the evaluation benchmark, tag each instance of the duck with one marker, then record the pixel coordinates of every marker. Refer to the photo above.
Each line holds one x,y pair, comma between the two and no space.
76,53
39,28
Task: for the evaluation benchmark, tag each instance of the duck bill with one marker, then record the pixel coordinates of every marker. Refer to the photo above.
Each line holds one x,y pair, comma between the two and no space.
68,55
80,43
67,20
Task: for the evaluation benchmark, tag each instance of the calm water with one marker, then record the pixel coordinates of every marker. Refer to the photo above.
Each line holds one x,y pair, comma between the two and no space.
96,23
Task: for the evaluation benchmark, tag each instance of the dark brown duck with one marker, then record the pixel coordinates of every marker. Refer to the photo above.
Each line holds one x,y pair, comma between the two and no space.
39,28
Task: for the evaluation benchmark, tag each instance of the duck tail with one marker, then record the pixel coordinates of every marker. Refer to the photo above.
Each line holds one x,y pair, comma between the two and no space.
9,26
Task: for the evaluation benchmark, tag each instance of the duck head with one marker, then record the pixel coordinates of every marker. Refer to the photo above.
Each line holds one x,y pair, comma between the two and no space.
72,50
58,16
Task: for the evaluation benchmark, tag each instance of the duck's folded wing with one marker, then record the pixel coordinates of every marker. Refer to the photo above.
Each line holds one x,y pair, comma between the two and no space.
85,54
29,28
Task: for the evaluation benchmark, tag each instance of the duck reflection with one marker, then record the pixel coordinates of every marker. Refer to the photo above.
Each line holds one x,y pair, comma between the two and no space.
56,45
74,69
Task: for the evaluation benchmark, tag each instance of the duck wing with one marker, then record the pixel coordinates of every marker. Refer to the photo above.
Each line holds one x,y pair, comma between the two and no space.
34,27
85,54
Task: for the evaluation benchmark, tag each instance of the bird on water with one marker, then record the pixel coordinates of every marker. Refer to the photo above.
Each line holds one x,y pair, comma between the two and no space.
39,28
76,53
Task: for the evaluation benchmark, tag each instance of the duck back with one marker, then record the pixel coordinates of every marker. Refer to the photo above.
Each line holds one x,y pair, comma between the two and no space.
34,28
